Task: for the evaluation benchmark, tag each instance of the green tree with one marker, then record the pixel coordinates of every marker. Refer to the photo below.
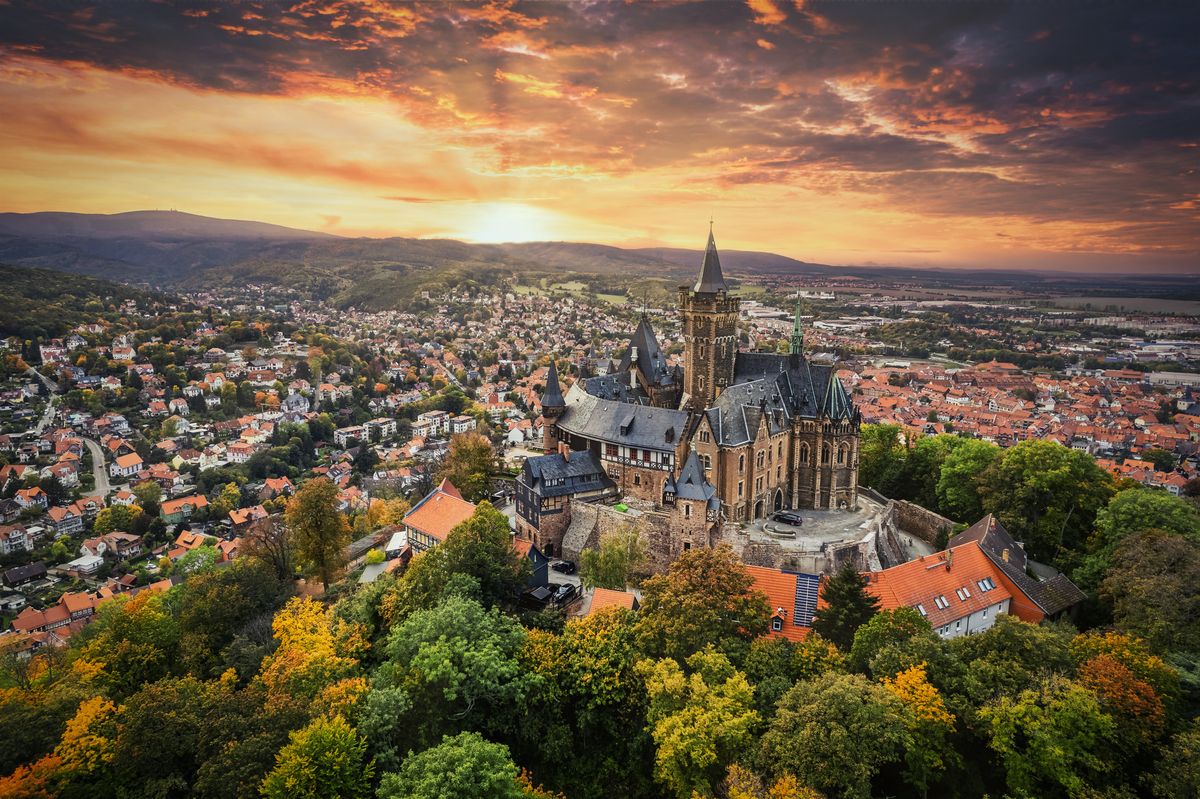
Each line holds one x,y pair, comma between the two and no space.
836,733
881,458
131,641
1046,495
614,562
1010,657
149,496
1163,460
958,489
706,596
325,760
479,549
589,689
701,721
847,607
1053,740
1177,772
449,668
1128,512
1153,588
463,767
469,464
319,533
886,630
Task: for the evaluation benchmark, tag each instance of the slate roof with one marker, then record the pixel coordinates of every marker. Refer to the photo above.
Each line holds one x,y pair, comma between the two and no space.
651,360
622,423
552,396
1052,595
582,473
711,280
692,485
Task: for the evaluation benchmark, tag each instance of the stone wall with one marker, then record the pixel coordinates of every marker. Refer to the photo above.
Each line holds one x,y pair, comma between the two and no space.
921,522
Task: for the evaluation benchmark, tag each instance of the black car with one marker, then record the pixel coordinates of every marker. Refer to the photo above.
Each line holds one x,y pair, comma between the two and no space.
563,566
564,593
787,517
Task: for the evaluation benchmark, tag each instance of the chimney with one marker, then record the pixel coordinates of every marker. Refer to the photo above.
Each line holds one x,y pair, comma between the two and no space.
1004,555
949,558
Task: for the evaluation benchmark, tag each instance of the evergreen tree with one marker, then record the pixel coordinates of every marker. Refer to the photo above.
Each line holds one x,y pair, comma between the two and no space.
847,607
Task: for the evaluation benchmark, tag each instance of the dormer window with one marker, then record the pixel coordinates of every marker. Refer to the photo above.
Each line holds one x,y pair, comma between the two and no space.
777,624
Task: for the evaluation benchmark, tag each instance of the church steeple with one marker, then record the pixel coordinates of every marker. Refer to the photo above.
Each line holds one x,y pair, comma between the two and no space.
552,397
711,280
797,343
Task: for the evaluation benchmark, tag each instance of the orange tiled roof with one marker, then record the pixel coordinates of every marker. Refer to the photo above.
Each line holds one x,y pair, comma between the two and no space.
780,588
440,512
923,581
607,598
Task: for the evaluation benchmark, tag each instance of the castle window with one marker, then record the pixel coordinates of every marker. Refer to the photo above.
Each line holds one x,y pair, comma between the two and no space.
761,456
687,511
842,454
758,485
704,437
778,472
637,479
825,454
781,449
610,450
804,453
740,486
707,459
741,463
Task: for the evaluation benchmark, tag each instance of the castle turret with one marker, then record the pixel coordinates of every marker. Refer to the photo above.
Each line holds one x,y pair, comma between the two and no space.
710,317
553,405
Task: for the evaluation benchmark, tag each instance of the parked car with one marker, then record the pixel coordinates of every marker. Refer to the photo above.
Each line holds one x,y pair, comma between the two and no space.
563,566
536,598
564,593
787,517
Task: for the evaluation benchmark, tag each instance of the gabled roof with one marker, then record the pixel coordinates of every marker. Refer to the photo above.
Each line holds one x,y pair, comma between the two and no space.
711,280
439,512
603,598
921,583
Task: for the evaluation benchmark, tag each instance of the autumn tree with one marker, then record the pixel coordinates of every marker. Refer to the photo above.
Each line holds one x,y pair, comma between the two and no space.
614,562
930,726
468,465
319,533
1177,773
314,651
742,783
325,760
701,720
706,596
268,540
114,518
589,676
131,641
847,607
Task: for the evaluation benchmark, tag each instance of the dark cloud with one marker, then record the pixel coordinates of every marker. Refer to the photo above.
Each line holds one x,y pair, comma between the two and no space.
1072,111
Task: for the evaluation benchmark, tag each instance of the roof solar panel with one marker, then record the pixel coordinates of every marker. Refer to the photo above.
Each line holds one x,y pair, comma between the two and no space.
808,587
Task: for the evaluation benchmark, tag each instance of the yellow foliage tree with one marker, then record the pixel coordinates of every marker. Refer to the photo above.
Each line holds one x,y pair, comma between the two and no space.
86,745
929,724
314,651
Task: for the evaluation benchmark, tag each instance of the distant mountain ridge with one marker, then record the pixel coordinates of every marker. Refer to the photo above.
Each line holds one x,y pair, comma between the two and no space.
135,224
172,249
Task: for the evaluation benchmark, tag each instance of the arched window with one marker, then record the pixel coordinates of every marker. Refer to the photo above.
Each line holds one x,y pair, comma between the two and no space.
842,450
761,455
825,454
741,463
707,462
780,449
804,453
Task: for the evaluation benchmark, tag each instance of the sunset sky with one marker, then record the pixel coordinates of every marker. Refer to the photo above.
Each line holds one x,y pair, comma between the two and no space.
1059,135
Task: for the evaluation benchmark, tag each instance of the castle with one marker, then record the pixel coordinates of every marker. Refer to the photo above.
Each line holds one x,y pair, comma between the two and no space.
729,437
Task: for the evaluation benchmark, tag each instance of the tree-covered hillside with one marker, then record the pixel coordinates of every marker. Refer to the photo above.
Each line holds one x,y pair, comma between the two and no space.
42,303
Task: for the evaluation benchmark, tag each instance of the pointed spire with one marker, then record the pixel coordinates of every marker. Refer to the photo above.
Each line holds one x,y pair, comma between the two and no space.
711,280
552,397
797,344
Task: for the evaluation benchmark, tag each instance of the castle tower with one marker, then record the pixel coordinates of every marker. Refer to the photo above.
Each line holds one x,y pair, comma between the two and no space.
710,319
553,405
